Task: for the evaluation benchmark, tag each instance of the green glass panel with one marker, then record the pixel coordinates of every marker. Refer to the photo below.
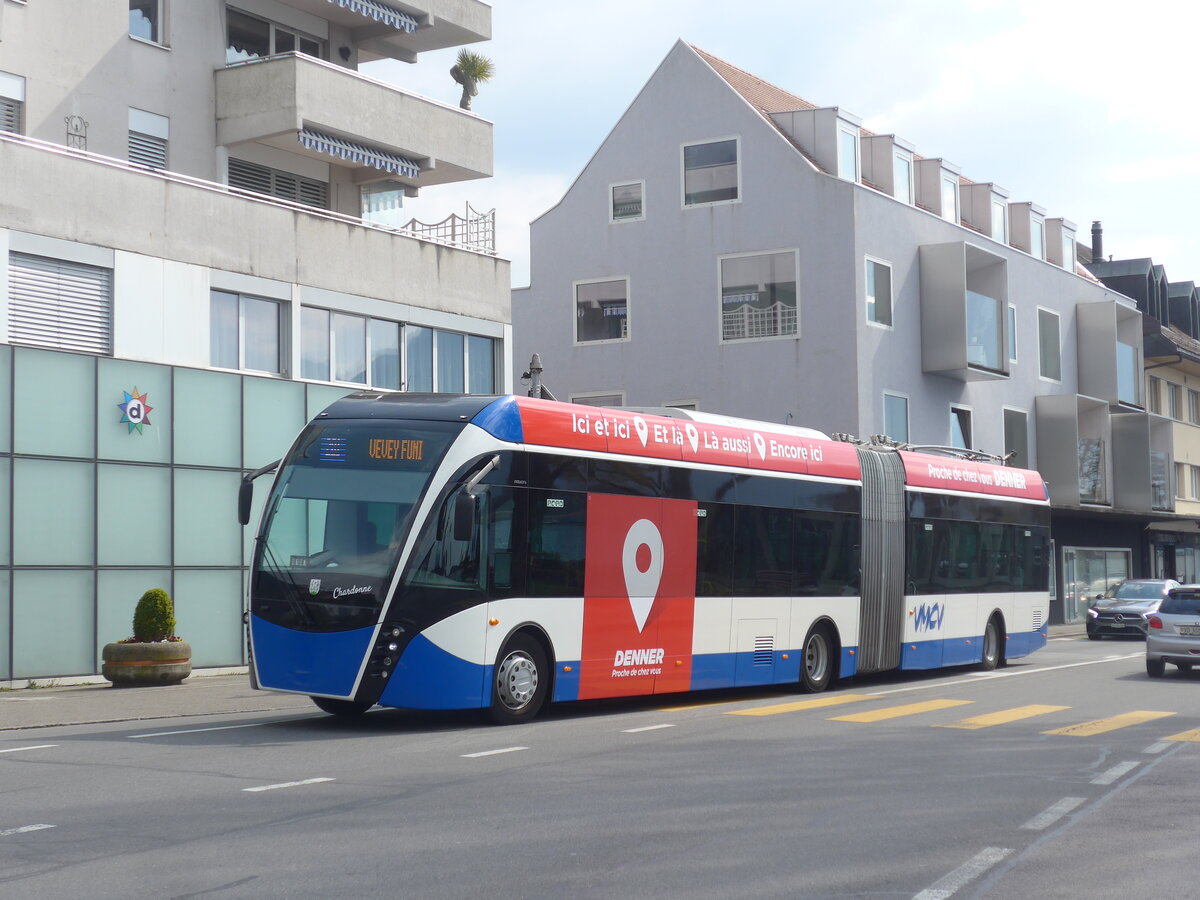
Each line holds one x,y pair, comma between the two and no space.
5,517
54,403
5,399
54,623
54,502
272,416
5,643
117,593
208,615
208,420
133,516
206,526
125,430
321,395
262,489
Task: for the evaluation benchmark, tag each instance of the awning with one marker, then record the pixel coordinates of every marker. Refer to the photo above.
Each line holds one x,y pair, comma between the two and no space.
380,12
357,153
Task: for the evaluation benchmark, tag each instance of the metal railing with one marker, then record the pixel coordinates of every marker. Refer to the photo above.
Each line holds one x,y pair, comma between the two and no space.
474,230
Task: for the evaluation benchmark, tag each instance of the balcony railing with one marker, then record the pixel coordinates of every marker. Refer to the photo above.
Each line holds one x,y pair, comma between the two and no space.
474,230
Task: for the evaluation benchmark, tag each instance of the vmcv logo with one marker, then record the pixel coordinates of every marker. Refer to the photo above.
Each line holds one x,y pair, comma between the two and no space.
929,618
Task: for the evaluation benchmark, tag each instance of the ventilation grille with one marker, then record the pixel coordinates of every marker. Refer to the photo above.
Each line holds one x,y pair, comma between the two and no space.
1037,620
10,115
263,180
147,150
764,650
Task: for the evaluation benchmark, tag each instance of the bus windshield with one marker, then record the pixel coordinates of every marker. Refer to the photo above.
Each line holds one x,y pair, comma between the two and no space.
337,518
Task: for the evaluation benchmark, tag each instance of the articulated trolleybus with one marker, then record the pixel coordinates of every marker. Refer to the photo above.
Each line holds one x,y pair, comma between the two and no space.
434,552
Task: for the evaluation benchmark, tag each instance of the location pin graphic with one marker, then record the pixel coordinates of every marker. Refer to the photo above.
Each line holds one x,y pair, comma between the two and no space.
642,429
693,436
640,586
760,445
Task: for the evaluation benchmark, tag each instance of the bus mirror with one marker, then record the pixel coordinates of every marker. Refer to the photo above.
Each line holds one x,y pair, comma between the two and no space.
464,516
245,496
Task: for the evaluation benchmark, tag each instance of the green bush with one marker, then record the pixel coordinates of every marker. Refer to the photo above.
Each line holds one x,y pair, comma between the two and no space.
154,618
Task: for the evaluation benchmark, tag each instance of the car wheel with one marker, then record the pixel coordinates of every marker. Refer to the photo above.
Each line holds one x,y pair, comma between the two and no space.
993,653
1092,636
346,708
817,664
520,682
1155,668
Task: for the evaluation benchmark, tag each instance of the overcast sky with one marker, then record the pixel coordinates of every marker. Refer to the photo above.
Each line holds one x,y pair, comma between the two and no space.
1086,108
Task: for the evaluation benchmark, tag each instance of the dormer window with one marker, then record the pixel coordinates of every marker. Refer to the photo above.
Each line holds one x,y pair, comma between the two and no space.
902,177
848,154
938,190
1037,237
1060,243
1000,221
949,198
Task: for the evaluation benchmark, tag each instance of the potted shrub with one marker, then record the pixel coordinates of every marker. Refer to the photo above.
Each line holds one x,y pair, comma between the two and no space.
154,655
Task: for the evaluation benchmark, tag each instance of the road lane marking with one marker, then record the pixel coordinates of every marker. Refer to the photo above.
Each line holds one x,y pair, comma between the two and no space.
1163,745
23,830
948,885
34,747
796,706
1116,772
1052,814
645,728
1192,736
896,712
492,752
1003,717
286,784
134,737
1112,723
1007,673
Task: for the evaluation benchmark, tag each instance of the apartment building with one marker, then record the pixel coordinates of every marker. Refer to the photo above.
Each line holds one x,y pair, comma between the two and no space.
734,248
191,266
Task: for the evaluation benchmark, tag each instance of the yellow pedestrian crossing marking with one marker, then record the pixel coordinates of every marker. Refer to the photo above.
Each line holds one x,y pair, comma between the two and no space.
1192,736
895,712
797,706
1112,723
1004,717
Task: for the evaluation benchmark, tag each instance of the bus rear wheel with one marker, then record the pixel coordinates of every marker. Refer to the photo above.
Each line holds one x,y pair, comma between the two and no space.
993,645
520,682
816,667
342,707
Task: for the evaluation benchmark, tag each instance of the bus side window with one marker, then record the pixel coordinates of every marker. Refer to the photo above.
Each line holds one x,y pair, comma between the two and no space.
557,522
503,550
714,550
445,562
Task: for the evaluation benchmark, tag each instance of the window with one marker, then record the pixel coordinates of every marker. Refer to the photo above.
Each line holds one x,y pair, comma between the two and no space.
895,417
710,172
1012,333
983,331
248,37
601,311
1037,237
1174,400
451,363
146,20
1154,394
148,134
960,427
1068,253
12,103
418,363
758,296
950,198
626,202
1049,351
246,333
1000,221
1194,407
1160,474
481,365
879,292
1016,437
1195,480
1127,373
902,178
276,183
59,304
340,347
847,154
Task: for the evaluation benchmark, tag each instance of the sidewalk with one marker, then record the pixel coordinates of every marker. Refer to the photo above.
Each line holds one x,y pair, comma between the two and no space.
200,695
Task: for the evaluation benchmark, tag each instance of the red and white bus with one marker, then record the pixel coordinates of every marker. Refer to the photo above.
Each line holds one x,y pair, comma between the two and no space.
434,552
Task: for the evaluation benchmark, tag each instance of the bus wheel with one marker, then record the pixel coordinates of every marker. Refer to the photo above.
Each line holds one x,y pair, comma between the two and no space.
522,679
341,707
993,653
816,670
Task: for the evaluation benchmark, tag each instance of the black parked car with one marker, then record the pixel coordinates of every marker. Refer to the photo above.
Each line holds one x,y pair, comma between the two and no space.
1123,608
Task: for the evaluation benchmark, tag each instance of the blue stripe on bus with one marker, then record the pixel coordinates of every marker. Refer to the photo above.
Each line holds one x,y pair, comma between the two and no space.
958,652
566,684
1024,644
427,677
310,663
501,419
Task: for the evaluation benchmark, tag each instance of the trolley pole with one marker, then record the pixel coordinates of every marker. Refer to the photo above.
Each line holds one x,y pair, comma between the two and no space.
536,388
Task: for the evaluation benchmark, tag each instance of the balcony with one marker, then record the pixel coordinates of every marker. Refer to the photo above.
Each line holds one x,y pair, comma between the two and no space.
270,101
1109,336
1074,441
964,319
435,24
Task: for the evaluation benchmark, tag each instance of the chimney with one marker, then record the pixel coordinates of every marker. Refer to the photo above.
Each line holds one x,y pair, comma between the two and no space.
1097,242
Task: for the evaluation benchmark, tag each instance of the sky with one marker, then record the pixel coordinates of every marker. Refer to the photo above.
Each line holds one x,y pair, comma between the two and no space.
1086,109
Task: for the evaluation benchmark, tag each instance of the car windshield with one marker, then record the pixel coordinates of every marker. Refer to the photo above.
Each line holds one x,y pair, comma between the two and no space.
1136,590
1181,603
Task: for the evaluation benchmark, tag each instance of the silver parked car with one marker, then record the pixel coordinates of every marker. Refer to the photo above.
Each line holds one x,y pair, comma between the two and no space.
1122,609
1173,632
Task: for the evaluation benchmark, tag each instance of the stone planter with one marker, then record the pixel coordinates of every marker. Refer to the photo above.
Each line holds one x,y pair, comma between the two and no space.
135,665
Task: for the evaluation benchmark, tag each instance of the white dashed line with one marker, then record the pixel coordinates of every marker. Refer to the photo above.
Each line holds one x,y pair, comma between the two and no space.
492,752
286,784
23,829
34,747
1157,748
1053,814
963,875
1115,772
645,728
220,728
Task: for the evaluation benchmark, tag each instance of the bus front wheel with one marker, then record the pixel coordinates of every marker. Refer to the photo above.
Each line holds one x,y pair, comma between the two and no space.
341,707
521,681
816,668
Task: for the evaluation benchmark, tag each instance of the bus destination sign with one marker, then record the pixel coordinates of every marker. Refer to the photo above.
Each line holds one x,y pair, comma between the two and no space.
391,448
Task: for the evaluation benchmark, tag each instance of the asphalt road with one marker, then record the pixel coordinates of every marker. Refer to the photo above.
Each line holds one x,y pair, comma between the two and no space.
1069,774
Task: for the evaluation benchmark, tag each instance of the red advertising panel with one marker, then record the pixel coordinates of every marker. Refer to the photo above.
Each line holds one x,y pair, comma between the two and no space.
949,474
639,596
